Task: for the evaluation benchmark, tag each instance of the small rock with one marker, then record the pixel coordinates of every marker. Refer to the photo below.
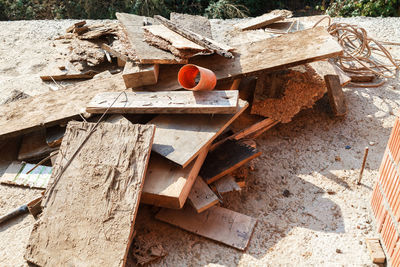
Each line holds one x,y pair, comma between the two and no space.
360,242
286,193
338,251
337,158
331,192
371,143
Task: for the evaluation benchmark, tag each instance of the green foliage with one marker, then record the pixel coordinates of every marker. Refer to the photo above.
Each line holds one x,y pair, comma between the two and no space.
371,8
225,9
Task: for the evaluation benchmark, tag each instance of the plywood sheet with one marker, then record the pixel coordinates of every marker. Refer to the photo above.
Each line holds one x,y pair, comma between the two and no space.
91,204
207,102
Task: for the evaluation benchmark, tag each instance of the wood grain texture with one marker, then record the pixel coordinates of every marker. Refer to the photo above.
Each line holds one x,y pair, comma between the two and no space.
69,76
145,53
90,207
181,137
168,185
219,224
139,75
336,96
259,22
226,158
201,196
194,23
262,56
324,67
201,102
27,115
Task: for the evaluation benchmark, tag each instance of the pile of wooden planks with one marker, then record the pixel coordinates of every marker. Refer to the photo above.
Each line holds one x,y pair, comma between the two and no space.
136,137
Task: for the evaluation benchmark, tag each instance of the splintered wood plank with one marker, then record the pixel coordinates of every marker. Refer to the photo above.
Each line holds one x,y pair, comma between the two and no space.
207,102
375,250
253,58
26,115
226,158
194,23
181,137
69,76
139,75
91,204
168,185
261,21
336,96
145,53
201,196
228,227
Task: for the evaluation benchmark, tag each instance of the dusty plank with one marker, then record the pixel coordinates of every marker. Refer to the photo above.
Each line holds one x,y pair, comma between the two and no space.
226,158
194,23
201,196
70,76
17,174
375,250
27,115
324,67
219,224
207,102
168,185
225,185
263,20
90,207
181,137
145,53
336,96
139,75
34,146
262,56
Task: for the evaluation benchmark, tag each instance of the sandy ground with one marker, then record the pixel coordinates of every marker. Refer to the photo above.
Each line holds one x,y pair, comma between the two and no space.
326,217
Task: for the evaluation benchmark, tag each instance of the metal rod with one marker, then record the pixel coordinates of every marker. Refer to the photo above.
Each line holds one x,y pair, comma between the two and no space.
363,166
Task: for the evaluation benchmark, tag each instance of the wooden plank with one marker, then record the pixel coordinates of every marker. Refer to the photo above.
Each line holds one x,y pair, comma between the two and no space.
219,224
34,146
45,110
90,206
139,75
261,21
225,185
375,250
70,76
194,23
336,96
17,174
168,185
201,196
201,102
181,137
262,56
145,53
324,67
166,39
226,158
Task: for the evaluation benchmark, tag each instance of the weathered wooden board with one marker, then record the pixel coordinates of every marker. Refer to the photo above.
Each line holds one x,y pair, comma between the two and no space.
201,196
91,204
145,53
36,112
336,96
324,67
139,75
34,146
219,224
17,174
260,21
226,158
375,250
194,23
267,55
226,184
201,102
181,137
69,76
168,185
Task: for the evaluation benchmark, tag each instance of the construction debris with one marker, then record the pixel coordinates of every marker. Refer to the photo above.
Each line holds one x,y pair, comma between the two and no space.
26,174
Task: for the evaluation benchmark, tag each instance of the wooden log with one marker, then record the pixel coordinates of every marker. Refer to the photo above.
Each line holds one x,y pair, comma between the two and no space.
145,53
201,196
219,224
196,38
139,75
90,206
205,102
180,138
259,57
262,21
336,96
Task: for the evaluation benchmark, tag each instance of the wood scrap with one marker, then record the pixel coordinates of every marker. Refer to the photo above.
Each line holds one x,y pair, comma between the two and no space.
225,185
34,146
97,31
181,137
226,158
336,96
54,136
85,53
145,53
201,102
357,78
34,207
70,76
146,248
219,224
75,26
201,196
194,23
168,185
106,188
324,67
135,75
210,44
262,56
263,20
375,250
21,174
114,52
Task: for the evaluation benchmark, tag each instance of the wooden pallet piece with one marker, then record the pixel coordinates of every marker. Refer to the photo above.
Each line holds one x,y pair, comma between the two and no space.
260,21
216,223
194,23
90,206
145,53
181,137
201,102
201,196
168,185
52,108
375,250
226,158
336,96
139,75
262,56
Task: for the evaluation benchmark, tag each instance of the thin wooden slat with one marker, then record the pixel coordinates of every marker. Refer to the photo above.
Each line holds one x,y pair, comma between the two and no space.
207,102
260,21
201,196
90,206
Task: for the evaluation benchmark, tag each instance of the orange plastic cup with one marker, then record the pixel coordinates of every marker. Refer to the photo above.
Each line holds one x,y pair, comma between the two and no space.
187,78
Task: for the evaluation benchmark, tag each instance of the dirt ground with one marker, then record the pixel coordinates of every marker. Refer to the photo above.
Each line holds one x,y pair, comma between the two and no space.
326,217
